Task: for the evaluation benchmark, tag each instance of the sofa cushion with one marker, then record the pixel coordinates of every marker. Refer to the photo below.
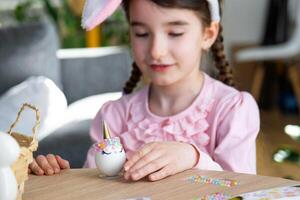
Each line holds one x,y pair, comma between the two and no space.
87,108
40,92
72,140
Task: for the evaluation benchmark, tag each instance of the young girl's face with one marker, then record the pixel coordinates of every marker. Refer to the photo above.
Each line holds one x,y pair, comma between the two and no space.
167,42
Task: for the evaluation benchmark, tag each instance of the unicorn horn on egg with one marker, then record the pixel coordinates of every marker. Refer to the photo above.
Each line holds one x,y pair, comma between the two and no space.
106,132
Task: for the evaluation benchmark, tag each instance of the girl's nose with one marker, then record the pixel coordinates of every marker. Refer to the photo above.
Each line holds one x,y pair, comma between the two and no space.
158,48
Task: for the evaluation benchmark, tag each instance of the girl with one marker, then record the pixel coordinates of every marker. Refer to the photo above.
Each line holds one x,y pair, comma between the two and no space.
184,118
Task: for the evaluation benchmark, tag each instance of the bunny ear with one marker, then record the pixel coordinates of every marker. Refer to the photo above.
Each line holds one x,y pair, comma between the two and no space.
96,11
214,10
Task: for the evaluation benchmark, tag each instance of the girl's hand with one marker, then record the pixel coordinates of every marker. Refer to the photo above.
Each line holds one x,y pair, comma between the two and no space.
48,165
160,159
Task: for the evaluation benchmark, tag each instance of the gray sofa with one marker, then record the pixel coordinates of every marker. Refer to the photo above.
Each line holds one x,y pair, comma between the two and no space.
32,49
84,77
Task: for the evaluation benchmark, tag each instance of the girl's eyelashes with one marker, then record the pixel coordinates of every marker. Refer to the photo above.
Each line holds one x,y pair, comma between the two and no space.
141,34
176,34
170,34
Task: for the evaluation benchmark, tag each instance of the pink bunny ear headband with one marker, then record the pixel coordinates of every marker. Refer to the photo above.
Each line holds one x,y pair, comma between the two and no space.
96,11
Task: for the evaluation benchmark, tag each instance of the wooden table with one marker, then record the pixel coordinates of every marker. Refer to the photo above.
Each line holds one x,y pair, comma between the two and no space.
85,184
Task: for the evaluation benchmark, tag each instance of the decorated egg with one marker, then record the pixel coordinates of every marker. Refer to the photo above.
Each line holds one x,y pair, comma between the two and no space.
10,150
9,153
110,155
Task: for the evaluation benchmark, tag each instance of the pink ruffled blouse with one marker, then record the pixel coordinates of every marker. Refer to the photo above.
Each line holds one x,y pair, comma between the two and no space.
222,123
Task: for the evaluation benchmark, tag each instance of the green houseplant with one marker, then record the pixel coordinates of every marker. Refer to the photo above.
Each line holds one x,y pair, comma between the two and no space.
68,24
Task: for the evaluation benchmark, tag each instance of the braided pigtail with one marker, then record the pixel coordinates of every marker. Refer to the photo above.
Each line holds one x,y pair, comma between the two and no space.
133,80
225,71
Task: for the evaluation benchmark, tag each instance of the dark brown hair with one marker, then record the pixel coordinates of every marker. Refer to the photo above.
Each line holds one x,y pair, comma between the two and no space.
201,7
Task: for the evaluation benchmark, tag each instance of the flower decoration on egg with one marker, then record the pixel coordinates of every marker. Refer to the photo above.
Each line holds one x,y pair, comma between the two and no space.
109,146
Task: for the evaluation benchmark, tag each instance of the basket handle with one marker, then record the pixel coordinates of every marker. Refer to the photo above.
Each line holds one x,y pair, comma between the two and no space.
37,123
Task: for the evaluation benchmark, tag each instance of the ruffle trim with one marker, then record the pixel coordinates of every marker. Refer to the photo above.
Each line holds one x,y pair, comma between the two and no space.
189,128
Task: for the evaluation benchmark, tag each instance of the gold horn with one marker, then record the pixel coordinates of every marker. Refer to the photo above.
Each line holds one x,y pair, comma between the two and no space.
106,133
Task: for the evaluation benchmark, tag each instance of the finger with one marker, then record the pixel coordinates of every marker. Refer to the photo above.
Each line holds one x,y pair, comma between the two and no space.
64,164
145,160
149,168
138,155
163,173
35,168
53,163
44,164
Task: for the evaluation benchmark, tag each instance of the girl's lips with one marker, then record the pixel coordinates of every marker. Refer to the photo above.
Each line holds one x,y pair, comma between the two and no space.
160,68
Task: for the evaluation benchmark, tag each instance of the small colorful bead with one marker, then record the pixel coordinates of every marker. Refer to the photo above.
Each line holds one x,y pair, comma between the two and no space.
213,181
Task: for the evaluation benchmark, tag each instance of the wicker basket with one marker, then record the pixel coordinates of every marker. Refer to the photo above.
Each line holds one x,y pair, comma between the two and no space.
27,146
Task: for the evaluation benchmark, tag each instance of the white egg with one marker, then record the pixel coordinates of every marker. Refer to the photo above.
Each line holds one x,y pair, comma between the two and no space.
110,164
10,151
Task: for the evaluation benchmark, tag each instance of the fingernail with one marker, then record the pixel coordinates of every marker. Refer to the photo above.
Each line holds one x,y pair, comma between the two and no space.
49,171
126,168
40,172
127,176
134,176
152,177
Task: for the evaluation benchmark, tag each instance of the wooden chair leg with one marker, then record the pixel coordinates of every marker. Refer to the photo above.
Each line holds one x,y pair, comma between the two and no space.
295,81
257,81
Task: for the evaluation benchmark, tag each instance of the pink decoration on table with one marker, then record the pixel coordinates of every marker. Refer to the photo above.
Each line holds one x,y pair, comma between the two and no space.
213,181
280,193
215,196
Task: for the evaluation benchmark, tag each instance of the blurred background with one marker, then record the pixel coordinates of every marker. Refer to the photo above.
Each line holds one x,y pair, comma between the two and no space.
44,38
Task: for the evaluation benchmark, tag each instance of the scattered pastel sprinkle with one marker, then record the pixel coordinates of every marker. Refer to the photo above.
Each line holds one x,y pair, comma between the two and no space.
213,181
215,196
287,192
